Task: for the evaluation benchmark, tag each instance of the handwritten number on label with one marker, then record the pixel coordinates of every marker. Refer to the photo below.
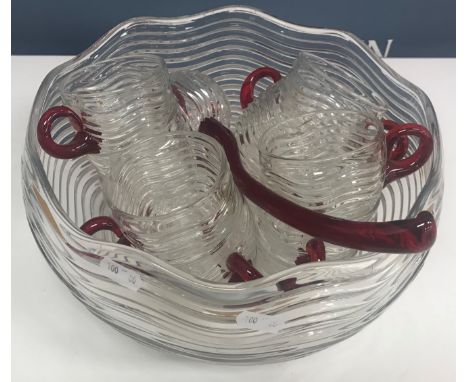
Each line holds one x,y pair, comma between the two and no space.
120,274
260,322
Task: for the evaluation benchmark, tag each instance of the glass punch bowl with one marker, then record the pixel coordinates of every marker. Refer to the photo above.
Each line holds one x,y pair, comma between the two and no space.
173,310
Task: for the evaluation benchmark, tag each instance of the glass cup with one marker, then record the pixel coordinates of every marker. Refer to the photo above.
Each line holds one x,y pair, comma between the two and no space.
111,102
312,84
173,196
199,97
332,162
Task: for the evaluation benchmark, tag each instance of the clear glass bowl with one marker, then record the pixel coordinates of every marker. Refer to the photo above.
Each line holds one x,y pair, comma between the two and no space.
172,310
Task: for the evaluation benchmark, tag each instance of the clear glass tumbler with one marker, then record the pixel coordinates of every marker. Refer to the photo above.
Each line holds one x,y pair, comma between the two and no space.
332,162
312,84
119,98
173,196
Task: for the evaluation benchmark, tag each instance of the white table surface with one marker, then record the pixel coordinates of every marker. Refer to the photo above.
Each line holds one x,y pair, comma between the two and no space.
54,338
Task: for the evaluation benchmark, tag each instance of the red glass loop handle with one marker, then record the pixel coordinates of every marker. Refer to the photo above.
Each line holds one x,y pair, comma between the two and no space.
81,144
398,168
400,236
104,223
399,150
248,86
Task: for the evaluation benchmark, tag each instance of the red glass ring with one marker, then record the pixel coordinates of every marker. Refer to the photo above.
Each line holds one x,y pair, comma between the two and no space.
81,144
248,86
400,236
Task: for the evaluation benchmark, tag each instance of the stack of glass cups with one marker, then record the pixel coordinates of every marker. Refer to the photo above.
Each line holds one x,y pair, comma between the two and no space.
332,162
173,196
171,193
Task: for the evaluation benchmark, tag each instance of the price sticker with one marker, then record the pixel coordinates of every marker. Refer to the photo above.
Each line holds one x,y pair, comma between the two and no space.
260,322
122,275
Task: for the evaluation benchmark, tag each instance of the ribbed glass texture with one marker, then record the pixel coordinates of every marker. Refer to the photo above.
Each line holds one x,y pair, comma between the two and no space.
174,197
330,161
174,310
118,99
199,97
312,84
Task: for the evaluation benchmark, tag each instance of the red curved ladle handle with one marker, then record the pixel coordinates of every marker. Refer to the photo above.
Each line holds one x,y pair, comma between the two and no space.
104,223
81,144
400,236
248,86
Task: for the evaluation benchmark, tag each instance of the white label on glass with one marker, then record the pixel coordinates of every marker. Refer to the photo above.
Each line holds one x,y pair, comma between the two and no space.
122,275
261,322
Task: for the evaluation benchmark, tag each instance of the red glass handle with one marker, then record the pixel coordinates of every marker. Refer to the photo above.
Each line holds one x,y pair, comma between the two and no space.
397,166
248,86
399,150
400,236
314,252
242,269
81,144
104,223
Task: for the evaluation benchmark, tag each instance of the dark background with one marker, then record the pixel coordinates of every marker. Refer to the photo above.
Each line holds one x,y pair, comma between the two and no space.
419,28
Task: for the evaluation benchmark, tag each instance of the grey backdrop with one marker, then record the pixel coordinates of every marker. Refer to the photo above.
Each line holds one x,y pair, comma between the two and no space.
396,28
